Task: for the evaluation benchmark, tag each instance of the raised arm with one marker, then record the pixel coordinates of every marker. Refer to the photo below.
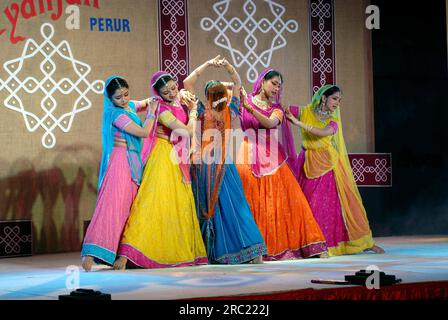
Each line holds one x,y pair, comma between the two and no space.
234,76
190,81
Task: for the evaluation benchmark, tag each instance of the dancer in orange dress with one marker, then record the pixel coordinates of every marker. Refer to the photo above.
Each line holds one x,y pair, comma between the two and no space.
277,202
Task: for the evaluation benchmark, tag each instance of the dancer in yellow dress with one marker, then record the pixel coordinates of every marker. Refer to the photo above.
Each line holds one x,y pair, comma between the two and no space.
325,175
163,229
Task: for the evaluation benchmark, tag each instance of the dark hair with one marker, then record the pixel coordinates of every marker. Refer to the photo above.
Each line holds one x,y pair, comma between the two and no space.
161,82
114,84
273,73
332,90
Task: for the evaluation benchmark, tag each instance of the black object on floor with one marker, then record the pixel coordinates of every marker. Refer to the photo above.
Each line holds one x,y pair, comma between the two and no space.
86,294
361,277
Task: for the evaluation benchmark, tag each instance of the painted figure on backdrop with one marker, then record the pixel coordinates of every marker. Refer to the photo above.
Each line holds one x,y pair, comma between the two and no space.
228,228
120,171
265,162
326,178
163,229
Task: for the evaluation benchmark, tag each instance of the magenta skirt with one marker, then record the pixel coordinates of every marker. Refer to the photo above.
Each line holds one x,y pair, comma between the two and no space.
323,198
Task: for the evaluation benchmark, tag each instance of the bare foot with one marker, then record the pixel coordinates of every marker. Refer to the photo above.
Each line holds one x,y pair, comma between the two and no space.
257,260
120,263
87,262
376,249
324,255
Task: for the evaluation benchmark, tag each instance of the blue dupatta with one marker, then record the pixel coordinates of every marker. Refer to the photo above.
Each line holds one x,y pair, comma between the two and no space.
133,148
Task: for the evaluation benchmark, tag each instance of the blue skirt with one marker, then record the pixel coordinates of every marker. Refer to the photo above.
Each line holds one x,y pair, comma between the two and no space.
231,236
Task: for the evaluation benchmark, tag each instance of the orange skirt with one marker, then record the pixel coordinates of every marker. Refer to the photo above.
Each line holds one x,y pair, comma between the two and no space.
282,213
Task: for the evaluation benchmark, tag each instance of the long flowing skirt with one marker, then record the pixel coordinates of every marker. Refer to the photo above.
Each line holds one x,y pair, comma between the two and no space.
112,210
231,235
322,195
163,229
281,212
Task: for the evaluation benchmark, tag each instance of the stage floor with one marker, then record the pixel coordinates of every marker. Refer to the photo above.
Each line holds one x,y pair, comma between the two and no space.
45,277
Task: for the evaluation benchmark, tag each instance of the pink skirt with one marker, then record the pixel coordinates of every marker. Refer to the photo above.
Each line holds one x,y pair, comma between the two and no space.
112,210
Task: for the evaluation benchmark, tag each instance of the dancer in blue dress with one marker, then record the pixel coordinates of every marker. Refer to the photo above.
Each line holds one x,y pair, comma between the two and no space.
229,230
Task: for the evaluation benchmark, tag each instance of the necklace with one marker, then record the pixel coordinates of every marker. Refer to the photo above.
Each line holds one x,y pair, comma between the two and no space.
260,103
322,114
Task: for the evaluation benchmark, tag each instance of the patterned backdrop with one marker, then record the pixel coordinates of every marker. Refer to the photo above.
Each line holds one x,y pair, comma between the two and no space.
323,67
52,69
173,38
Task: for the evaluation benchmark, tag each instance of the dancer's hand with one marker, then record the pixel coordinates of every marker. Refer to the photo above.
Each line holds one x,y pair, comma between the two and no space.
215,62
186,97
152,105
244,101
226,64
150,100
287,111
192,105
223,62
291,117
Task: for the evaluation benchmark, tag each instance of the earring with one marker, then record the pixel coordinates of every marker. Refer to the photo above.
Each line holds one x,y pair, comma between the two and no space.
319,106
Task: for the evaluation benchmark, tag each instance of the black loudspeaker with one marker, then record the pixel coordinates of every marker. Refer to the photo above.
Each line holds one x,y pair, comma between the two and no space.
361,276
85,294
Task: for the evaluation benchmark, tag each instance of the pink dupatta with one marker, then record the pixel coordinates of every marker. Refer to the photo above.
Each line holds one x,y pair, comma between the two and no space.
272,147
181,144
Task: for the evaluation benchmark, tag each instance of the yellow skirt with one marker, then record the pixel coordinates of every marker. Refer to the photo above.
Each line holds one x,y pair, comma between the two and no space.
162,229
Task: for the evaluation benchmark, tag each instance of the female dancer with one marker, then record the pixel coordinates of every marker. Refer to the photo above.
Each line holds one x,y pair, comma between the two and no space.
326,177
120,171
280,209
228,228
163,229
